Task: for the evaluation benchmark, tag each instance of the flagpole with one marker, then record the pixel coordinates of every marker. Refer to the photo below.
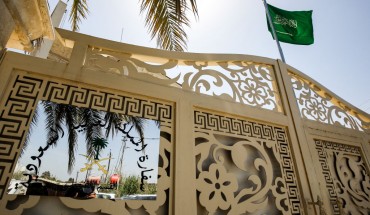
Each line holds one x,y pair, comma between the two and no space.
273,31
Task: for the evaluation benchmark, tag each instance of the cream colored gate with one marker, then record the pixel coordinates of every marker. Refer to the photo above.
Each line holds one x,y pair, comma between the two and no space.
239,134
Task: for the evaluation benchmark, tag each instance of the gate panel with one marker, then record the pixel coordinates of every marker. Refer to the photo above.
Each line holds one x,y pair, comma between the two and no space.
25,92
223,161
347,178
243,166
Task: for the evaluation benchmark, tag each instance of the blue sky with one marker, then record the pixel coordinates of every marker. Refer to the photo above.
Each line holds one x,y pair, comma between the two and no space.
338,58
58,154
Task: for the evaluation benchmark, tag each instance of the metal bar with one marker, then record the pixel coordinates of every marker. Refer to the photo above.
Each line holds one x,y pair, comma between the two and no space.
273,31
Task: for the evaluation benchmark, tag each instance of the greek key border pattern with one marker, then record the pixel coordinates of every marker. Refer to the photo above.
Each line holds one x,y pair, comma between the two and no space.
105,101
21,101
287,164
15,117
217,123
321,147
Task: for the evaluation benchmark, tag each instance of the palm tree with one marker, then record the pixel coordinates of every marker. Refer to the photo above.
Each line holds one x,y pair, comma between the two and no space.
98,144
58,114
84,120
165,20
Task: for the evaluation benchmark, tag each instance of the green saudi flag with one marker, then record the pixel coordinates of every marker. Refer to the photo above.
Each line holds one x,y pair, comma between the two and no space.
292,26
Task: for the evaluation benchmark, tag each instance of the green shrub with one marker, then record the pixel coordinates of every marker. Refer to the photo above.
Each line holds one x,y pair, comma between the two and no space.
151,189
131,185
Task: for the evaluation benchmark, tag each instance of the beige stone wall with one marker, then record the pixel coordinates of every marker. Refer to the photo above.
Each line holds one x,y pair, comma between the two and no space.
6,25
26,21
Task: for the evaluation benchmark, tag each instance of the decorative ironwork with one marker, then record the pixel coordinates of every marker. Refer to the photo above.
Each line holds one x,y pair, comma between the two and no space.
346,175
243,82
243,167
14,119
106,101
28,90
239,81
315,104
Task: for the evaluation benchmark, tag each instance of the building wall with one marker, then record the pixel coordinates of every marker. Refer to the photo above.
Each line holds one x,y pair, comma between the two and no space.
7,25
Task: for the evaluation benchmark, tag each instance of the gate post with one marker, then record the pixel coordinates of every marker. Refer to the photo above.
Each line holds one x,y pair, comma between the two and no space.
184,169
301,151
76,62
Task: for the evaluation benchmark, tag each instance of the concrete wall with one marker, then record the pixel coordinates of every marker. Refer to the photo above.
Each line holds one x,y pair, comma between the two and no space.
6,25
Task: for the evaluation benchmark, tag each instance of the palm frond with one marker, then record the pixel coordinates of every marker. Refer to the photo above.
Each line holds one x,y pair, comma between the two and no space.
55,114
112,120
138,124
181,7
79,10
59,114
90,118
28,135
166,20
71,121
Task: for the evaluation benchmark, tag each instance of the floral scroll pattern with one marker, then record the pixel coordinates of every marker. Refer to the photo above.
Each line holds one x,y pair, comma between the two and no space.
243,167
238,81
317,105
217,185
347,177
246,82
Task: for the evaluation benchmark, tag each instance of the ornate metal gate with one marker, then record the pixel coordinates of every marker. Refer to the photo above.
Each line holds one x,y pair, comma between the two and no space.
239,134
